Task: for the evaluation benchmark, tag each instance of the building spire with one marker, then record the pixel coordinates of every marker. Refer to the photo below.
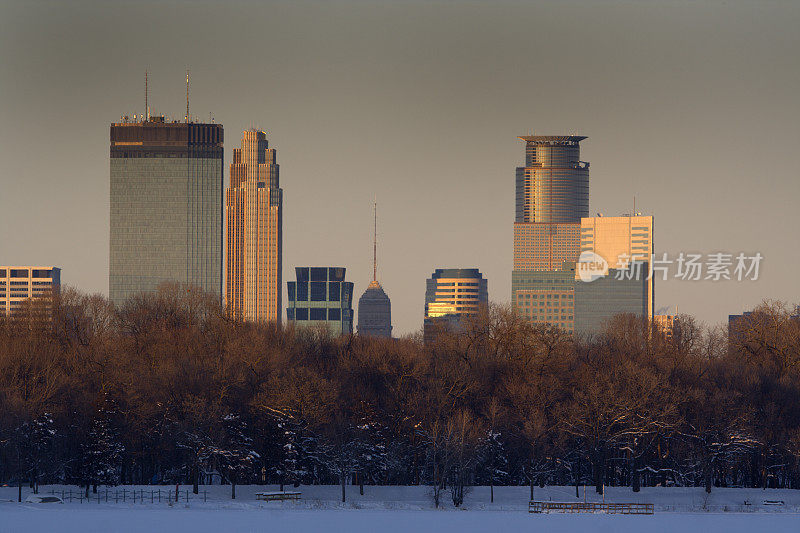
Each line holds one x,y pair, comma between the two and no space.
187,95
375,241
146,91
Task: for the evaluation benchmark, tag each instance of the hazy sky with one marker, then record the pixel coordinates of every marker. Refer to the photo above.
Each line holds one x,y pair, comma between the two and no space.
690,106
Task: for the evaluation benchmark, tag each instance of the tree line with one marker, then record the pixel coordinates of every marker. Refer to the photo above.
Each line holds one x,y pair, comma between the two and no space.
168,389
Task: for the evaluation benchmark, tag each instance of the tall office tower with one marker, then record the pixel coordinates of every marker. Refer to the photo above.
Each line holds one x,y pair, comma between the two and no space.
166,206
623,241
374,306
552,194
450,294
321,297
254,211
20,283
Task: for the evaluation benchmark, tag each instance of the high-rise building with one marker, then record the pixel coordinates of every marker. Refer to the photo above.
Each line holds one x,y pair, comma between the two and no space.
321,297
254,212
166,206
20,283
375,312
450,294
623,241
553,186
665,324
374,306
552,195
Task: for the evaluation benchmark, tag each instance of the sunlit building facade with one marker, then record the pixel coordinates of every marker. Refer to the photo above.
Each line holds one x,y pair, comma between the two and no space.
166,219
623,241
254,214
21,283
450,295
320,297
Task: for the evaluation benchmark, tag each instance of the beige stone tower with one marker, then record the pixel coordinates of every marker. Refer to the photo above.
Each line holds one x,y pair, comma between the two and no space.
254,213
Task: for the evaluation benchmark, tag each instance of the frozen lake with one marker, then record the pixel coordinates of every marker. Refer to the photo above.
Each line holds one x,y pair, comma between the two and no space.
402,509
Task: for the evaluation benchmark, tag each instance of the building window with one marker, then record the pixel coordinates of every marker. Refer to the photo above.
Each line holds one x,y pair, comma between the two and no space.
334,314
301,313
319,274
318,290
334,291
318,313
290,313
302,291
291,291
336,274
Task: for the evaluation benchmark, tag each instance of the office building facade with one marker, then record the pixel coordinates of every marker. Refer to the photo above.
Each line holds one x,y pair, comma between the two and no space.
617,292
254,215
623,241
166,219
320,297
546,297
450,295
21,283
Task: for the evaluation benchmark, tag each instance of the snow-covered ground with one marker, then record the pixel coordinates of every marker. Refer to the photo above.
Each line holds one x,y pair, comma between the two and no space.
400,509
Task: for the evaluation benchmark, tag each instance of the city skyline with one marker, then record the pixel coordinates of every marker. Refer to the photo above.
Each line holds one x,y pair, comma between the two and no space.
667,122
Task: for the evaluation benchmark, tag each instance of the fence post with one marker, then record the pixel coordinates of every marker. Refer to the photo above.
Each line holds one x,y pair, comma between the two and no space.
205,493
159,495
187,495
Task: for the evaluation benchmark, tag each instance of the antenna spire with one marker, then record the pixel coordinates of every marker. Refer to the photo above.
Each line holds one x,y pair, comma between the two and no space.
146,105
187,95
375,241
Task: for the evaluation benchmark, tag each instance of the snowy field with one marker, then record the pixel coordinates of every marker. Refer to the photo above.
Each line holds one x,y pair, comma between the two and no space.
400,509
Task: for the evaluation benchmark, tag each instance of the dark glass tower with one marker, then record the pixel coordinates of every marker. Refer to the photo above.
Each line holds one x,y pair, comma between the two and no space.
375,312
166,206
321,297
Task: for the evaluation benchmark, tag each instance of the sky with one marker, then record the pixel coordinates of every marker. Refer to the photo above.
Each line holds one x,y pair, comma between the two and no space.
690,107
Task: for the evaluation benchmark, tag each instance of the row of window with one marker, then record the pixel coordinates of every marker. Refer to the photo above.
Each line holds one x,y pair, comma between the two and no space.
314,313
320,291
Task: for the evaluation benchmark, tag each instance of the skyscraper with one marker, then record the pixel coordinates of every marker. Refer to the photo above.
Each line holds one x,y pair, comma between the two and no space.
166,206
321,297
374,306
450,295
552,194
254,211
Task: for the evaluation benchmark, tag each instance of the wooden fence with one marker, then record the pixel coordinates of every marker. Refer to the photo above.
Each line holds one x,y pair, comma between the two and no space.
580,507
130,496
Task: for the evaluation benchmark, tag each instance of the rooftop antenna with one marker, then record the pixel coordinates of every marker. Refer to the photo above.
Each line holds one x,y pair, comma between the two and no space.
146,105
375,240
187,95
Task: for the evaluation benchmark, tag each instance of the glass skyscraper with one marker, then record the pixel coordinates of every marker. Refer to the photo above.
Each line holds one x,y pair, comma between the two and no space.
321,297
552,195
166,215
254,210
